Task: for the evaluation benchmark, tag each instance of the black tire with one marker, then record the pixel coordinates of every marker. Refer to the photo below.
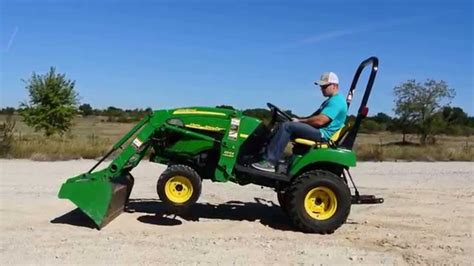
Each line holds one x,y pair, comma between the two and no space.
283,201
179,187
331,197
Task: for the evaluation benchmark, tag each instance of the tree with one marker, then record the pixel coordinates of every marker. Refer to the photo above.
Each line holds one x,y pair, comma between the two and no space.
86,109
52,103
225,107
417,104
382,118
7,129
455,116
7,111
403,125
148,110
370,126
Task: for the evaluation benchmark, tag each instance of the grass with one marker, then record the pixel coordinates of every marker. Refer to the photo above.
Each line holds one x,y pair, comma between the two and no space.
387,146
439,152
91,137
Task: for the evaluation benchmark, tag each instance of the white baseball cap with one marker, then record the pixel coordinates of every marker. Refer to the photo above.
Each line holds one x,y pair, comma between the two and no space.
327,78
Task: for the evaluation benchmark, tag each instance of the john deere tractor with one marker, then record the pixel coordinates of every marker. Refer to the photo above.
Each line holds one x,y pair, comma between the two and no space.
313,184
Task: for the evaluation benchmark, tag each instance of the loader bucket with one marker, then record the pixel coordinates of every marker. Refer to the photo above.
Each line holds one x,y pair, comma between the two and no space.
100,199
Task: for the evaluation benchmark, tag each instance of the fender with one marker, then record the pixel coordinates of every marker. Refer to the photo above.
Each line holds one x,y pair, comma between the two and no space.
342,157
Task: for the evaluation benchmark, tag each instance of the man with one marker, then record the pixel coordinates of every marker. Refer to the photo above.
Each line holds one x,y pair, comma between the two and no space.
320,126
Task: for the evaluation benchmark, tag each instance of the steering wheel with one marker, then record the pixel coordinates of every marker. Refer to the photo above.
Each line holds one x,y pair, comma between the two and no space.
278,114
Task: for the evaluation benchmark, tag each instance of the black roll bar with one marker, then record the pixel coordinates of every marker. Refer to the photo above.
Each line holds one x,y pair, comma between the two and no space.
348,141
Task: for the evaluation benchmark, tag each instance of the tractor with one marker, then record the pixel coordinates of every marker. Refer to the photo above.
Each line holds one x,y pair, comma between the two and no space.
313,183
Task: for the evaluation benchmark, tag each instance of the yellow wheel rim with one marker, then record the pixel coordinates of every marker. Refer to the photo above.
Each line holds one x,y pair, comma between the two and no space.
320,203
178,189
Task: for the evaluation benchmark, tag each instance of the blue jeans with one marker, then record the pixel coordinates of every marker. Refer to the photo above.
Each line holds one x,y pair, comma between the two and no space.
287,131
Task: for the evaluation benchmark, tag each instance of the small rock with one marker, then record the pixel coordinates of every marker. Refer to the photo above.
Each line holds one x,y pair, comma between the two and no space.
388,235
366,222
352,258
395,236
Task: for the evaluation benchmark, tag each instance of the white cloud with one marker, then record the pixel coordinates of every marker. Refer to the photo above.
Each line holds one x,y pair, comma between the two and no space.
12,38
341,33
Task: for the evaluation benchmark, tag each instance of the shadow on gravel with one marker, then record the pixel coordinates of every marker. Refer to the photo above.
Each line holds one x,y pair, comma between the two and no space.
266,212
75,217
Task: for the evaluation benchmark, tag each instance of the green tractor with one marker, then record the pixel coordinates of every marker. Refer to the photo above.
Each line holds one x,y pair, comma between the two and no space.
197,143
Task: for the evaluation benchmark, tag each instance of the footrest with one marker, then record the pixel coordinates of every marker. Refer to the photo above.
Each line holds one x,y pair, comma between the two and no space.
366,199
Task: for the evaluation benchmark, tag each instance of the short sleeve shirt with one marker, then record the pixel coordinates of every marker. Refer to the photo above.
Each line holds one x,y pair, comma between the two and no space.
335,107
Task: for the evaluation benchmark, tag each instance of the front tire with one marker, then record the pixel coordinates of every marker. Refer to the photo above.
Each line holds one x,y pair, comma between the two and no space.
318,202
179,187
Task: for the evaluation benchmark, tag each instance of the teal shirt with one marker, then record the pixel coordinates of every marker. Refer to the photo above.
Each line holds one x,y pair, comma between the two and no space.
335,107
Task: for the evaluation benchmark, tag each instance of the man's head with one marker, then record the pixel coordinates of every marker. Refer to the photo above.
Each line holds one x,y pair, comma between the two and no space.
329,84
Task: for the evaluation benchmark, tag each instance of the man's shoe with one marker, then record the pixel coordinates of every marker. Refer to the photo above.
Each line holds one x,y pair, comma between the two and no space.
264,166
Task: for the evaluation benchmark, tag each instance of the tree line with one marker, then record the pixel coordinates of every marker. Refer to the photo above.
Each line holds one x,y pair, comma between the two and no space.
449,120
420,108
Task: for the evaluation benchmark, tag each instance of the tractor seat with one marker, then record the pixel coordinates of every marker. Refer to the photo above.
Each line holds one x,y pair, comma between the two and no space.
322,144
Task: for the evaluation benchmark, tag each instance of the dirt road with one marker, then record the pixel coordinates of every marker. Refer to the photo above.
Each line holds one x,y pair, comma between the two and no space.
427,218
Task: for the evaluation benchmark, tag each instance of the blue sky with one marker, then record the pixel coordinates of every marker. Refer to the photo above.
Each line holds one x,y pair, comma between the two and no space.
165,54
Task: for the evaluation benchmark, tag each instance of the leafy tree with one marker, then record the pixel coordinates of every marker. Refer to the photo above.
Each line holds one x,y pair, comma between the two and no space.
403,125
456,121
52,103
86,109
260,113
382,118
455,116
7,129
148,110
417,103
370,126
225,107
7,111
112,111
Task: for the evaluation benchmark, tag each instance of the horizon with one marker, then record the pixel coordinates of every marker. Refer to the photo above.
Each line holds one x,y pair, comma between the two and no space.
165,55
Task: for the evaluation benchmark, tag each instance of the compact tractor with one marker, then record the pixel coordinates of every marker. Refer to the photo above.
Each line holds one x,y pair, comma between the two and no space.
313,184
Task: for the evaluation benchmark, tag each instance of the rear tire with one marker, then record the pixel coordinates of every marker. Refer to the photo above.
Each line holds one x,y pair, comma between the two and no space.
283,201
179,187
318,202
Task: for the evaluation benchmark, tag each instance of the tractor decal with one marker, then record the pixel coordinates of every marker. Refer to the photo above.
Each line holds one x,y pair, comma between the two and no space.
206,127
196,112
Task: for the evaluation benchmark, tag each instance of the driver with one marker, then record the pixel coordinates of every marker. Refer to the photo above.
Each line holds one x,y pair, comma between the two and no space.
320,126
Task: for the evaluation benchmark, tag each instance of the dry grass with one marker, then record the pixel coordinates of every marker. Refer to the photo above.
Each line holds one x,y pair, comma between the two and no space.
375,152
58,149
91,137
387,147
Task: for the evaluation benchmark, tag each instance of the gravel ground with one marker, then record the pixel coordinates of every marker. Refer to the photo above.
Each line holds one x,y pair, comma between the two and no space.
427,218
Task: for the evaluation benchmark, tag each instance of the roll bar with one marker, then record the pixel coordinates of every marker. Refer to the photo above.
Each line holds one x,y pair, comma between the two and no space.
348,140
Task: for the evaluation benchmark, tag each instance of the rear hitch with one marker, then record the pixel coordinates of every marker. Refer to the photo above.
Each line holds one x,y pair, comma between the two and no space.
366,199
360,199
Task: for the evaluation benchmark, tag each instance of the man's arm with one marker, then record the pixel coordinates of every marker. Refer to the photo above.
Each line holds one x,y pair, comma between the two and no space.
317,121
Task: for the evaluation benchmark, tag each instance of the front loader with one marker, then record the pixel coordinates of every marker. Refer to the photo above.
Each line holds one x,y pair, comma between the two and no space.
313,184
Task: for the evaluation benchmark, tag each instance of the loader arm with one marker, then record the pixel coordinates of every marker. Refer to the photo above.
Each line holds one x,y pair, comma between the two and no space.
103,194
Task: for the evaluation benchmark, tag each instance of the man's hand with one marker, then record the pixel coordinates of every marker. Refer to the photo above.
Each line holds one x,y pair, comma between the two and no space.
294,119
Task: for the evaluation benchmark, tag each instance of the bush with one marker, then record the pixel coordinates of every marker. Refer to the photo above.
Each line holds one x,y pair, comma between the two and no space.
52,103
7,129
